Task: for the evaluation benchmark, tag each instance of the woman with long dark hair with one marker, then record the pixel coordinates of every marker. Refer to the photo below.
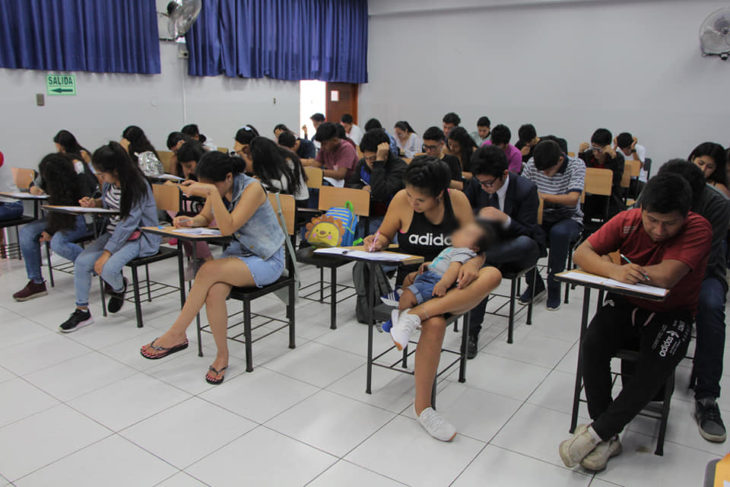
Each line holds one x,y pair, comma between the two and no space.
242,141
408,141
127,191
135,141
278,168
64,186
712,159
66,142
462,146
255,256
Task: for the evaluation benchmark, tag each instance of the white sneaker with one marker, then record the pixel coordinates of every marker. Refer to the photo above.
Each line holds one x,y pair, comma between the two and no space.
436,425
403,329
577,447
598,458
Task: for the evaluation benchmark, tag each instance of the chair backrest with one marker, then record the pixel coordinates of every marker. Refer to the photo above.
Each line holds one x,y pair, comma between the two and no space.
571,154
330,197
598,181
165,156
466,175
167,197
288,210
314,177
540,209
418,154
22,177
223,150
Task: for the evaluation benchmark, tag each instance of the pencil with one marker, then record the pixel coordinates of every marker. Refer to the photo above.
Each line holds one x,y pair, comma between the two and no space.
646,277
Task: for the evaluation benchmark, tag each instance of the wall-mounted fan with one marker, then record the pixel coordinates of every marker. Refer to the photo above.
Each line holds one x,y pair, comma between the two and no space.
715,34
180,16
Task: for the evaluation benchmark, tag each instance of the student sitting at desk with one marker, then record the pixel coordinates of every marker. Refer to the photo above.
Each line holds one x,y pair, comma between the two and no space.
64,186
337,157
423,215
665,245
10,209
127,191
255,257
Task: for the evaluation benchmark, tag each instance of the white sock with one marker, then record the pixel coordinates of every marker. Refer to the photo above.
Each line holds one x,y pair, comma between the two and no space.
596,439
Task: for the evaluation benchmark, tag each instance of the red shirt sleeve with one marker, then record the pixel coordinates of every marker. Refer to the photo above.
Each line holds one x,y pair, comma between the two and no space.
610,236
693,245
346,157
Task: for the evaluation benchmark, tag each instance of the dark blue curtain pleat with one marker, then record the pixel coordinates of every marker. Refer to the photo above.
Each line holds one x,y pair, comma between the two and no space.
104,36
281,39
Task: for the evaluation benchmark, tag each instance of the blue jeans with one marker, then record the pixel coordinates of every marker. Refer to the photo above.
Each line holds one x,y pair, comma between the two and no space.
560,235
11,211
112,272
710,348
61,243
423,285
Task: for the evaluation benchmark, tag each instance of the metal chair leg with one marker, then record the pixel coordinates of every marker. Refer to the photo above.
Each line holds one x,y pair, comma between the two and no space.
50,265
511,322
149,293
137,303
292,321
668,390
247,334
464,345
333,298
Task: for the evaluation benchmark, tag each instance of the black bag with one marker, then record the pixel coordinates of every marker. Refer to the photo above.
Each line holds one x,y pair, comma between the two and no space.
361,280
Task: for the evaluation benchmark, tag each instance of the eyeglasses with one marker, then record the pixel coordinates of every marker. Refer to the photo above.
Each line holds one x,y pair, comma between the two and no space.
596,148
488,184
430,147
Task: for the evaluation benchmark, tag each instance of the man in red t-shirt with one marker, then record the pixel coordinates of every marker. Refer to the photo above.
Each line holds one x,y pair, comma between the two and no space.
337,157
668,247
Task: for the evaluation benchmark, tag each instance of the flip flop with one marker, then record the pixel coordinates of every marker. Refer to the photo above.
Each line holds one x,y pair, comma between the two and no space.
217,373
162,351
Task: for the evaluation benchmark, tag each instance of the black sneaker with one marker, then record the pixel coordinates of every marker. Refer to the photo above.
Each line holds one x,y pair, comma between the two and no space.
709,420
527,296
472,347
78,319
116,299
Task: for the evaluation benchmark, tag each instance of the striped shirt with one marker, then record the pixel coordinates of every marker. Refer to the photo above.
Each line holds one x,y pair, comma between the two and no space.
569,178
111,201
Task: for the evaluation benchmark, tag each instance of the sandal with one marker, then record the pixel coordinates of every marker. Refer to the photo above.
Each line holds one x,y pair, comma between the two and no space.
217,373
161,351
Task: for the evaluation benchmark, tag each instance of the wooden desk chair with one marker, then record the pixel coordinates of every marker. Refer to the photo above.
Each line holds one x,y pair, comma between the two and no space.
314,177
571,154
165,159
466,175
632,169
167,198
418,154
223,150
247,294
22,179
330,197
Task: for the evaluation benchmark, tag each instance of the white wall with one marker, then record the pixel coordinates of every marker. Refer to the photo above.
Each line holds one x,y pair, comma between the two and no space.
106,103
567,66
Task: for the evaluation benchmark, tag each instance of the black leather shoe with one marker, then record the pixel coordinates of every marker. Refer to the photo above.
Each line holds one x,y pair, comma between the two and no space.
471,347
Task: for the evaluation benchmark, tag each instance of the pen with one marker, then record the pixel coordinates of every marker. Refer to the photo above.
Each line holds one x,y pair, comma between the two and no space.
646,277
372,245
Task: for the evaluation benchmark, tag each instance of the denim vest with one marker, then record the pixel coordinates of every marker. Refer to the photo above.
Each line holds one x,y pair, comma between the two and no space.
261,234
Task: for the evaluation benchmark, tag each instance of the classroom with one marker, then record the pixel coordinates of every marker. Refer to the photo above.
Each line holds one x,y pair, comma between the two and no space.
364,243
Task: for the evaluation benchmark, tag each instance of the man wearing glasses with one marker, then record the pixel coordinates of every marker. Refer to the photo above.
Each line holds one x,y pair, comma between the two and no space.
433,145
511,202
600,154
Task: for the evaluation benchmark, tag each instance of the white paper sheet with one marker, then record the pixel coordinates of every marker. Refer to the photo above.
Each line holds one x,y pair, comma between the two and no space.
169,177
23,196
337,183
605,281
197,231
360,254
81,209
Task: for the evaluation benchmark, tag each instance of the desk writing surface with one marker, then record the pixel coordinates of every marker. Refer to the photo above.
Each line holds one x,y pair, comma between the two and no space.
20,195
198,233
643,291
359,252
77,210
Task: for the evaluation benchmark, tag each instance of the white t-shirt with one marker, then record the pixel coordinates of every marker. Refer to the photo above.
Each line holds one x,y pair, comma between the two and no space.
6,182
641,152
281,185
355,134
411,147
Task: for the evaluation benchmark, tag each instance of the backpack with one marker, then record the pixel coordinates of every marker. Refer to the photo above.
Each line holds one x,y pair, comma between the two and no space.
149,164
361,281
333,229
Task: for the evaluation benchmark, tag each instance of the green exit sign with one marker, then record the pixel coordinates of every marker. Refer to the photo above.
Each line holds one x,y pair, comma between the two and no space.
61,84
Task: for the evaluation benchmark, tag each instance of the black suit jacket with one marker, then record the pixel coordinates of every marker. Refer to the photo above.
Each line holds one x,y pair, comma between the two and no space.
520,203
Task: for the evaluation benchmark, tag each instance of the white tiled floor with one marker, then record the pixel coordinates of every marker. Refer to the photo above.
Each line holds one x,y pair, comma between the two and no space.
87,409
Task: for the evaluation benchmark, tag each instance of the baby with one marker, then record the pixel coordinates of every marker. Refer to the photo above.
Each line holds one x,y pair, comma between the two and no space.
435,278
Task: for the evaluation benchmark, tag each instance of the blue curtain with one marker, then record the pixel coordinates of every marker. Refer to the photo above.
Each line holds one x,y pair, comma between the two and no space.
105,36
282,39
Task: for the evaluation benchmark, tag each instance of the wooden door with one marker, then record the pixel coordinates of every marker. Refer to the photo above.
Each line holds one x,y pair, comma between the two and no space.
341,99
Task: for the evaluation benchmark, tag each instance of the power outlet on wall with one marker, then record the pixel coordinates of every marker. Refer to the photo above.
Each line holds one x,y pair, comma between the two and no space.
274,100
40,99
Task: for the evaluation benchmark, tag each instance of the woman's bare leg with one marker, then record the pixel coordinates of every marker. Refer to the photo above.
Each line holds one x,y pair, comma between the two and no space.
433,328
230,270
428,354
461,300
215,308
